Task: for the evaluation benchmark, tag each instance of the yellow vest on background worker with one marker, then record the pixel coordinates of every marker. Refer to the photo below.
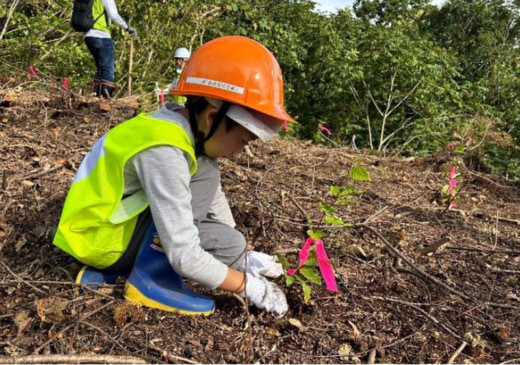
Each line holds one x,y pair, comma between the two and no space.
103,21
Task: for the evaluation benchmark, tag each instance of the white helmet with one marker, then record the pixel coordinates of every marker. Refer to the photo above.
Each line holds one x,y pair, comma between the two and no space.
182,53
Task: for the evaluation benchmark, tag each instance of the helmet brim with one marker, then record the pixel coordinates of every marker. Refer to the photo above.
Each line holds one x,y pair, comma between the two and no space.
261,125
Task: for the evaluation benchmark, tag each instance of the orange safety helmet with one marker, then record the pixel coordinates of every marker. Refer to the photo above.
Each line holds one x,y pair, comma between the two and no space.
238,70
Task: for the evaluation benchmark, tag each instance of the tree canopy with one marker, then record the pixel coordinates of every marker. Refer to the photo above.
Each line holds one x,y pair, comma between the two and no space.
394,76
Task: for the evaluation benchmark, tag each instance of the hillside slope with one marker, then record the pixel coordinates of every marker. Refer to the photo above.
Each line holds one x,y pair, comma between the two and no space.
466,291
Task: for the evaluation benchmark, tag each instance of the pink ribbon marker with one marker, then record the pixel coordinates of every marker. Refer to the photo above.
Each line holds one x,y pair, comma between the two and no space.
162,96
304,255
324,129
285,127
33,72
65,83
323,262
325,267
452,185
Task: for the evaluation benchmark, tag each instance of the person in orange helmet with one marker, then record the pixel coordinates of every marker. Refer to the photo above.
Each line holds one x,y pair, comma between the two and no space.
147,205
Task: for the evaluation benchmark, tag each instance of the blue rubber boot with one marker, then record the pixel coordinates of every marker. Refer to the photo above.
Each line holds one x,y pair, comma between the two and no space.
153,282
92,279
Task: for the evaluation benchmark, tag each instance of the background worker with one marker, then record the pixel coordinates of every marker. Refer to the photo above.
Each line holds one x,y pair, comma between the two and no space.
101,45
147,203
180,57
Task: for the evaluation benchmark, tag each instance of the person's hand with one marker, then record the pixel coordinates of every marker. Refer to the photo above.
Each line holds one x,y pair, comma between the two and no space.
263,264
265,295
132,31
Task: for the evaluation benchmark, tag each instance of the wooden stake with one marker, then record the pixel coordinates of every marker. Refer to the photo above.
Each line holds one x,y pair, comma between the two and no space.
130,64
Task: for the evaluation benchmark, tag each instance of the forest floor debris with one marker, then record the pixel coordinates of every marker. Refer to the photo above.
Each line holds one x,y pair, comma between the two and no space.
465,309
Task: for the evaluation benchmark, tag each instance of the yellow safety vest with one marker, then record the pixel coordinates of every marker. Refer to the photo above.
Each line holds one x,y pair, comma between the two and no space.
97,223
103,21
179,99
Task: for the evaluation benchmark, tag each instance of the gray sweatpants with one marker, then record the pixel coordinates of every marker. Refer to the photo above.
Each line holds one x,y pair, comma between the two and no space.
219,239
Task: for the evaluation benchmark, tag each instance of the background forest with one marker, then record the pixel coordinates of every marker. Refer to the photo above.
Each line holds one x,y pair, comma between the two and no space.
392,76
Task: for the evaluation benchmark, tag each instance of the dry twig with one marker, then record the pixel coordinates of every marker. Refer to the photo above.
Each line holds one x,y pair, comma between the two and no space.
20,279
171,357
82,318
427,276
300,208
418,271
41,173
457,352
71,359
428,315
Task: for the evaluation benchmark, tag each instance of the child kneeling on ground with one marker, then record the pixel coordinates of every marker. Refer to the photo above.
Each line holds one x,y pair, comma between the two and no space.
146,203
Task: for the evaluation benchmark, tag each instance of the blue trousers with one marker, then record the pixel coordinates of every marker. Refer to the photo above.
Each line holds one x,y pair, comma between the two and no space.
102,50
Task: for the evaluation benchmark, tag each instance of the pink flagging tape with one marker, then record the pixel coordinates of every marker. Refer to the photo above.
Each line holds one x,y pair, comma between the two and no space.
285,126
452,185
323,262
324,129
304,255
33,72
162,96
325,267
65,83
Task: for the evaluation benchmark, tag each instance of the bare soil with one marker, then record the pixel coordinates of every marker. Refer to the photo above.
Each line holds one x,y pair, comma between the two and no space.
395,304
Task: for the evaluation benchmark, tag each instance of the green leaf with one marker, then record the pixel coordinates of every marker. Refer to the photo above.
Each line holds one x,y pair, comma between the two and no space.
445,189
459,149
311,274
283,260
306,291
311,262
334,190
315,234
359,173
327,209
349,190
344,201
336,221
289,280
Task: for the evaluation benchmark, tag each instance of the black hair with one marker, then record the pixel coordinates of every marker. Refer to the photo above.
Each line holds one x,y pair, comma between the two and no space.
196,105
200,103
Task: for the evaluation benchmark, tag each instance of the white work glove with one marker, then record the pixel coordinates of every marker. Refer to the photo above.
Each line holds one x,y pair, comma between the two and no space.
259,263
132,31
265,295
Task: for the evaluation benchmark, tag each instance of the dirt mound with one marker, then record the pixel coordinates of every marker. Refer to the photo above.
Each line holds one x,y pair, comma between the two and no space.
417,281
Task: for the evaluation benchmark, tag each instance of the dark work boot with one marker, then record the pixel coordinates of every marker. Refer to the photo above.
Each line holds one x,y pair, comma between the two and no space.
96,88
107,89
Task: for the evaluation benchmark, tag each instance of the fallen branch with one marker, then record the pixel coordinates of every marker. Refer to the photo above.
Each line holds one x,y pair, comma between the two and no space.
487,179
428,315
507,252
427,276
479,214
376,214
41,173
71,359
440,243
20,279
307,218
420,272
372,357
457,352
82,318
506,271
